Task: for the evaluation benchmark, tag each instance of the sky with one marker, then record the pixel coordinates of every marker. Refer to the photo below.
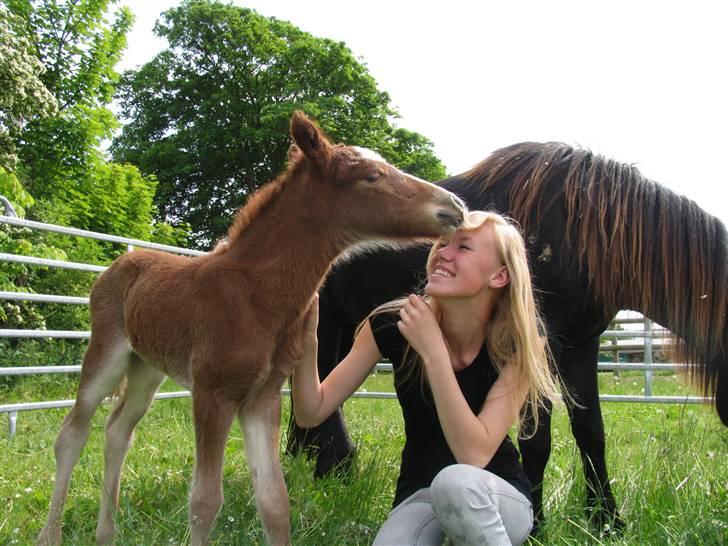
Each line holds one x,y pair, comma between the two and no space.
643,82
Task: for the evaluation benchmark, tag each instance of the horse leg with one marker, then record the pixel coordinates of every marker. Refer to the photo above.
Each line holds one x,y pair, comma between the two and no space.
535,452
721,394
213,417
579,371
104,366
142,384
337,452
260,422
329,442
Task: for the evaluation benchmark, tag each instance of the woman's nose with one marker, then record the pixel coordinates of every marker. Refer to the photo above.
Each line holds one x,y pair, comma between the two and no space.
445,253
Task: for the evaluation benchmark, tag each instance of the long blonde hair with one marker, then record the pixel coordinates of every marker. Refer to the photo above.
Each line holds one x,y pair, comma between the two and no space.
515,333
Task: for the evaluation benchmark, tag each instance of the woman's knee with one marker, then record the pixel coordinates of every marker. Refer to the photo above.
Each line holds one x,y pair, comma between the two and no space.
458,484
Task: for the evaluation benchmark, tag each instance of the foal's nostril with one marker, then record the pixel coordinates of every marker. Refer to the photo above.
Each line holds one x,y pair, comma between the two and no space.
458,202
450,218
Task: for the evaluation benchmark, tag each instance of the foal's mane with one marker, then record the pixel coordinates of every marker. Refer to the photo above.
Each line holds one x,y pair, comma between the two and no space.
639,243
262,200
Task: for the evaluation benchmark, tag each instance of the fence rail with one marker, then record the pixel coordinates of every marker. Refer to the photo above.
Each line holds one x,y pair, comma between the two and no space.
631,340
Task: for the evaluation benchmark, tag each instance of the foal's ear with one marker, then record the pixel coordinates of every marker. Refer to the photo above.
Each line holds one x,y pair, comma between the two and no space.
309,138
294,154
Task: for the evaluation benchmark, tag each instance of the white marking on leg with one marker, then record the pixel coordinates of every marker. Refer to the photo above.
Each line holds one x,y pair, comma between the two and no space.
271,495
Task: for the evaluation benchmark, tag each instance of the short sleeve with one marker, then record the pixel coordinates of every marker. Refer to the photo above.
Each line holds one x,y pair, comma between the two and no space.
389,340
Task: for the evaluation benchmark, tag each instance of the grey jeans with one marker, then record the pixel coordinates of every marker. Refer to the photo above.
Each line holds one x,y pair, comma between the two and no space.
469,505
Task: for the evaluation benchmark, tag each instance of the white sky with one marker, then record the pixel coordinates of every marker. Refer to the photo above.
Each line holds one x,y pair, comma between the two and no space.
640,81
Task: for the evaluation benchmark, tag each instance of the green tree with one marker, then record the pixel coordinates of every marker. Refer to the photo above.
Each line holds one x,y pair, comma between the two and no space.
61,161
23,96
62,175
59,155
209,114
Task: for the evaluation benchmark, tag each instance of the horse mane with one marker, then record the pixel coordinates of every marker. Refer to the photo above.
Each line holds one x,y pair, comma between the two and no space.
260,201
639,244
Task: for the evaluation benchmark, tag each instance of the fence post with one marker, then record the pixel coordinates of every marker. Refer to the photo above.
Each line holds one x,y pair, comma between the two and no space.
615,358
648,356
13,415
12,424
9,210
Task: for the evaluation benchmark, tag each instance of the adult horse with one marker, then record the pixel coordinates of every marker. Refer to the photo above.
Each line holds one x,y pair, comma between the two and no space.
601,237
229,325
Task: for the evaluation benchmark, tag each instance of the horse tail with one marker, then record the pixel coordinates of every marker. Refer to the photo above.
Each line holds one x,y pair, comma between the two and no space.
640,245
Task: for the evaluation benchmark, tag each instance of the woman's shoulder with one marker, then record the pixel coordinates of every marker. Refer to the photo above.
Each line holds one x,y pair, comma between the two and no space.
384,319
386,333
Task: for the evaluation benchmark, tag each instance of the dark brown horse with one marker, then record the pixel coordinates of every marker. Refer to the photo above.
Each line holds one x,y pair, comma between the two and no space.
228,325
601,237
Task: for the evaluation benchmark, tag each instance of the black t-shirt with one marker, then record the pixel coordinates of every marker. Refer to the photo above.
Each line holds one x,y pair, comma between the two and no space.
425,450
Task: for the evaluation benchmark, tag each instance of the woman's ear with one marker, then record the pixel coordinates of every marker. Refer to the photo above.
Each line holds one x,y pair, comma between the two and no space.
501,278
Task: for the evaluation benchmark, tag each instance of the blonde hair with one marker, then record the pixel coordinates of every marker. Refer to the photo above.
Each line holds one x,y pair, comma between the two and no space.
515,333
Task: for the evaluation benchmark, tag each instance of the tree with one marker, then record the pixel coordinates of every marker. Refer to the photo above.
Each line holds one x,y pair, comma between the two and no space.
23,96
59,155
62,175
209,115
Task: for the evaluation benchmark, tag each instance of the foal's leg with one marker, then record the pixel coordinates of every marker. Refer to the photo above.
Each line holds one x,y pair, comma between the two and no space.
213,416
104,366
142,383
579,371
260,422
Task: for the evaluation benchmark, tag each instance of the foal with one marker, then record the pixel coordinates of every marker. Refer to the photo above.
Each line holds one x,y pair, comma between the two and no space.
228,324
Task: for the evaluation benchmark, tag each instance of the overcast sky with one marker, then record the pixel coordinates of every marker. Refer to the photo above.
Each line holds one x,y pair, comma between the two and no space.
643,82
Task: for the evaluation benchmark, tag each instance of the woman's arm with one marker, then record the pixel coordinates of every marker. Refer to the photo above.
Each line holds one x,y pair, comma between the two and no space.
314,401
473,439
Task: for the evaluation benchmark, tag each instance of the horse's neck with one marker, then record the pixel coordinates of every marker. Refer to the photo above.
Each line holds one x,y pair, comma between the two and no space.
288,248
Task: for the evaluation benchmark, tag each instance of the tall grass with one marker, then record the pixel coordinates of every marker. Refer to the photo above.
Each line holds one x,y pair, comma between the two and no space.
668,468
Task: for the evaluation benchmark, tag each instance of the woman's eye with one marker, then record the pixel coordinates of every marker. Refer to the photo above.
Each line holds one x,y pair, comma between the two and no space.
464,247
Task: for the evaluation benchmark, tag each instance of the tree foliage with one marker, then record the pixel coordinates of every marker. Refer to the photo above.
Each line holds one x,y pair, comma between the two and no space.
23,96
209,114
62,175
61,160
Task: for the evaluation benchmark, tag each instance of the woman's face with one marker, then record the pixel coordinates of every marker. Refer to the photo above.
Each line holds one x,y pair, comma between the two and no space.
466,265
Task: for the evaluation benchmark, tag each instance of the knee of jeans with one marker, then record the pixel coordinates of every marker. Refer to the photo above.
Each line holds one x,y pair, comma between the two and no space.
454,485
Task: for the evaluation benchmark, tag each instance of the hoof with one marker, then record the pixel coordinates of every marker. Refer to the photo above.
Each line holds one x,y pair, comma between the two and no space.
338,464
49,537
607,523
105,536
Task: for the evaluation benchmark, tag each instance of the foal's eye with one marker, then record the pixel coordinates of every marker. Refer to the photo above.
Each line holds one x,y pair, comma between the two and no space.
373,177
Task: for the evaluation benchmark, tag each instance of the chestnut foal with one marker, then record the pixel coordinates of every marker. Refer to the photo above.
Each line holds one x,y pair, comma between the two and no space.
228,324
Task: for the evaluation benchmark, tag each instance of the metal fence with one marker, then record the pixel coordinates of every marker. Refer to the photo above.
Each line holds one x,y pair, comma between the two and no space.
646,340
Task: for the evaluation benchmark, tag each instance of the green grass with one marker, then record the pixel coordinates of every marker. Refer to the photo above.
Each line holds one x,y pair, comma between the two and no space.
667,464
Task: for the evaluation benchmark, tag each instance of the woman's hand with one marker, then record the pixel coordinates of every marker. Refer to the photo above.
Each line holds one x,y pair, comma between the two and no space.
420,328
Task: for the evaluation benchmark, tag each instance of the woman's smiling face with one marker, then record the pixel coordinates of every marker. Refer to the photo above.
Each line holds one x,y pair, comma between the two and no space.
465,265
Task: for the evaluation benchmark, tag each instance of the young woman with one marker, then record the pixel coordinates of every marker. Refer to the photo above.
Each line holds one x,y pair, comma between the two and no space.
468,358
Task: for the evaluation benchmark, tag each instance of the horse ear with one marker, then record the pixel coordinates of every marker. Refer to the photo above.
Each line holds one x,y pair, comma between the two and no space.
309,138
294,154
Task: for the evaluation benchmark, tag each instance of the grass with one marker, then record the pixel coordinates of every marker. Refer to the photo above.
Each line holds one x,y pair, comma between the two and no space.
667,464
